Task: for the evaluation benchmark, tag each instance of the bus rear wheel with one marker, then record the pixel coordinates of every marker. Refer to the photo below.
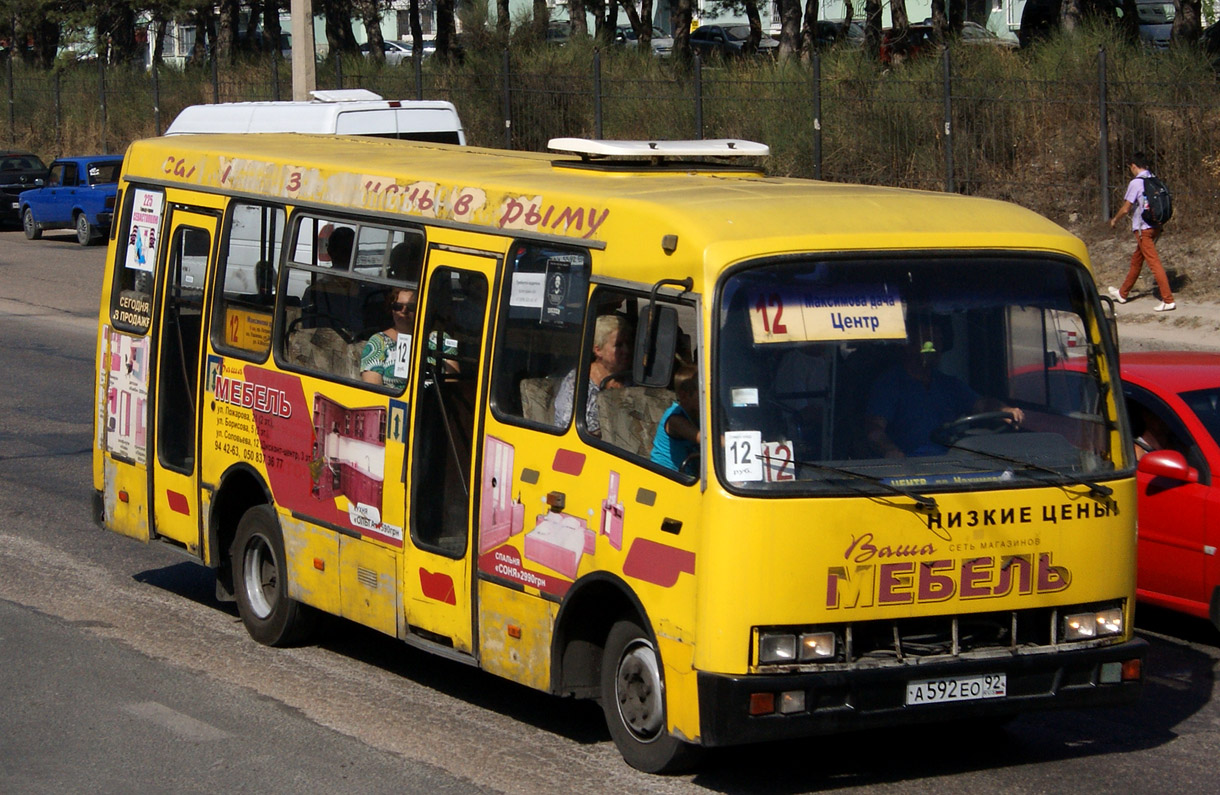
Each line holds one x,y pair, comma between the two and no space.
260,579
633,700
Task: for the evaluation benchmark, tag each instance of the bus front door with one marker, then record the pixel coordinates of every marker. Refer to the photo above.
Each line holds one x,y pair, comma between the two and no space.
180,341
449,390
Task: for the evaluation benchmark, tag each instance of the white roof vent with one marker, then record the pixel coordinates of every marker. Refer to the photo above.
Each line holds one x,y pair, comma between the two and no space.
716,147
345,95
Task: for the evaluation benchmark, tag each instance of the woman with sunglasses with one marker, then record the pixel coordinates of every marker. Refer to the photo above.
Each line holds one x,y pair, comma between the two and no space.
386,359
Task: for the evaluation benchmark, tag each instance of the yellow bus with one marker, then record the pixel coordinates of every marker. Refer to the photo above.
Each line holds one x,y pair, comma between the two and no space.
741,457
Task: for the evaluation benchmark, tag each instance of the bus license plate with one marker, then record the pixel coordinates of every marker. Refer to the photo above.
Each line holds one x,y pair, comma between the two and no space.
957,688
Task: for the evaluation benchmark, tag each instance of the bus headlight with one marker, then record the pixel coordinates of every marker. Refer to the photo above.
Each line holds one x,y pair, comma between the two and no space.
778,647
775,648
817,646
1100,624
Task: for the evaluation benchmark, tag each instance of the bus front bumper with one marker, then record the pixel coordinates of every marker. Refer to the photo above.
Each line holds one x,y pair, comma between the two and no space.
836,701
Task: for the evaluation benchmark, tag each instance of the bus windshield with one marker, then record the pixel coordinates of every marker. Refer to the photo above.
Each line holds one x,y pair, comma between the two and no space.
840,376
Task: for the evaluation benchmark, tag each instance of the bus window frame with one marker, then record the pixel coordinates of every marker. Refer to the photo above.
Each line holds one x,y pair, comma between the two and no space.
1108,348
640,293
280,332
218,302
502,325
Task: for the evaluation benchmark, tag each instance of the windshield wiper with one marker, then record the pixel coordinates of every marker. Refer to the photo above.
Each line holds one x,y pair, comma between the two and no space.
1095,489
924,502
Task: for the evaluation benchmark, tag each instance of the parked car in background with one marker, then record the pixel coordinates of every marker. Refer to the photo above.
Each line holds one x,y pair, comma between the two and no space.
396,52
1173,401
975,34
1155,22
728,41
662,45
829,32
19,171
905,47
79,194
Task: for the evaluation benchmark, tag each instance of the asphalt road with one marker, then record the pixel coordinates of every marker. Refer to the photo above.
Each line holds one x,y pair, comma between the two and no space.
119,672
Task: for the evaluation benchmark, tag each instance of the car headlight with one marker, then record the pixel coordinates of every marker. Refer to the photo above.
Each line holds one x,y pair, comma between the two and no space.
1099,624
779,647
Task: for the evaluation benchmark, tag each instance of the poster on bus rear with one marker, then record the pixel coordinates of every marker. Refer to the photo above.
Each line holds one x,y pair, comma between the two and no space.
146,215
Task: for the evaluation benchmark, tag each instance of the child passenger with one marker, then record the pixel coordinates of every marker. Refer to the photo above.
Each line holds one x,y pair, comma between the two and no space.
678,433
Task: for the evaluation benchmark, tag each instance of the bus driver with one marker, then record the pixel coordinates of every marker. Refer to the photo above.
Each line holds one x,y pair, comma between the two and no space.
909,401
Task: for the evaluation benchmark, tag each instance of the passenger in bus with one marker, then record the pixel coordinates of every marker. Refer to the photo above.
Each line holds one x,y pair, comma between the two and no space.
335,300
610,369
909,401
678,436
386,359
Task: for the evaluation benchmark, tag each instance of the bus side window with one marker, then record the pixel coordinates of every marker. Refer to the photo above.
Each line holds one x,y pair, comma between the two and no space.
628,416
241,324
336,293
539,344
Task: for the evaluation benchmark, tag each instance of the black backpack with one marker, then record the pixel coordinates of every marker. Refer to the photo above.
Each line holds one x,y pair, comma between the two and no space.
1158,203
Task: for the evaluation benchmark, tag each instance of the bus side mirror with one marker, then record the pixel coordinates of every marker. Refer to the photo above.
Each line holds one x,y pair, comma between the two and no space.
656,342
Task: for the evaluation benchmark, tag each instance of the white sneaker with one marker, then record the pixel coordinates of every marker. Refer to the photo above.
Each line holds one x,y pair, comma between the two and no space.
1165,307
1117,296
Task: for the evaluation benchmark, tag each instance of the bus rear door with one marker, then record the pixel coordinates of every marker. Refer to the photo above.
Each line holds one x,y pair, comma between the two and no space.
450,385
180,339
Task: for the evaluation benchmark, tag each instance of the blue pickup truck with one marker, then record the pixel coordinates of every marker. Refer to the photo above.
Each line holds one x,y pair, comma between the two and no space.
79,194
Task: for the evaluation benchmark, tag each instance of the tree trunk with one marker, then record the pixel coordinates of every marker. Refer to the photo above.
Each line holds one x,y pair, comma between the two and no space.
444,29
940,22
159,27
417,30
1187,23
204,31
1071,14
872,28
116,27
790,28
503,23
809,28
370,15
752,16
226,33
680,20
340,38
273,32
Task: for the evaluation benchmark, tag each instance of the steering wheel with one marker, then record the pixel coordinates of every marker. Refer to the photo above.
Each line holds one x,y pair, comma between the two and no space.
691,458
973,425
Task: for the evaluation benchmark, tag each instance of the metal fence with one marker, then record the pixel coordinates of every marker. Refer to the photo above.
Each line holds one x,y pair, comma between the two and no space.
1058,147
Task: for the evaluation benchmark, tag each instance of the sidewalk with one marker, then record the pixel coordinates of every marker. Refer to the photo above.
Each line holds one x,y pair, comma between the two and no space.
1191,326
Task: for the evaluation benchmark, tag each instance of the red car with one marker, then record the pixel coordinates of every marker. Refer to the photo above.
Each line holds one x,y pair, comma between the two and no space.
1173,399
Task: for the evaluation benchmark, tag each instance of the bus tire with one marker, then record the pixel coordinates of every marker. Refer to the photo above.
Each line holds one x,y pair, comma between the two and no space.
260,579
633,700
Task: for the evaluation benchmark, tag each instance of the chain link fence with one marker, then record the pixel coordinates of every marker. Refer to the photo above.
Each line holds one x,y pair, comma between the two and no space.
1058,147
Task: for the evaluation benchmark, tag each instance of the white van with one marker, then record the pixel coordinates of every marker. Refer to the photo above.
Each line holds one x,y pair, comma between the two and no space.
340,112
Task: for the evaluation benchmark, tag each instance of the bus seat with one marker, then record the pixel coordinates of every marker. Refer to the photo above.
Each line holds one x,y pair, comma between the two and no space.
538,399
324,350
629,416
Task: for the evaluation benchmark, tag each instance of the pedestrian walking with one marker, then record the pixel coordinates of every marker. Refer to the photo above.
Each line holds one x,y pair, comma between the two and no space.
1145,238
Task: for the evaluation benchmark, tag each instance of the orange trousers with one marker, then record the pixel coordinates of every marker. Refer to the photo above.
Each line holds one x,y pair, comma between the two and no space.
1145,251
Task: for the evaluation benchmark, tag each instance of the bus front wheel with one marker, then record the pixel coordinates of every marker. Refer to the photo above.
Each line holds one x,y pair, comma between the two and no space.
260,578
633,699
